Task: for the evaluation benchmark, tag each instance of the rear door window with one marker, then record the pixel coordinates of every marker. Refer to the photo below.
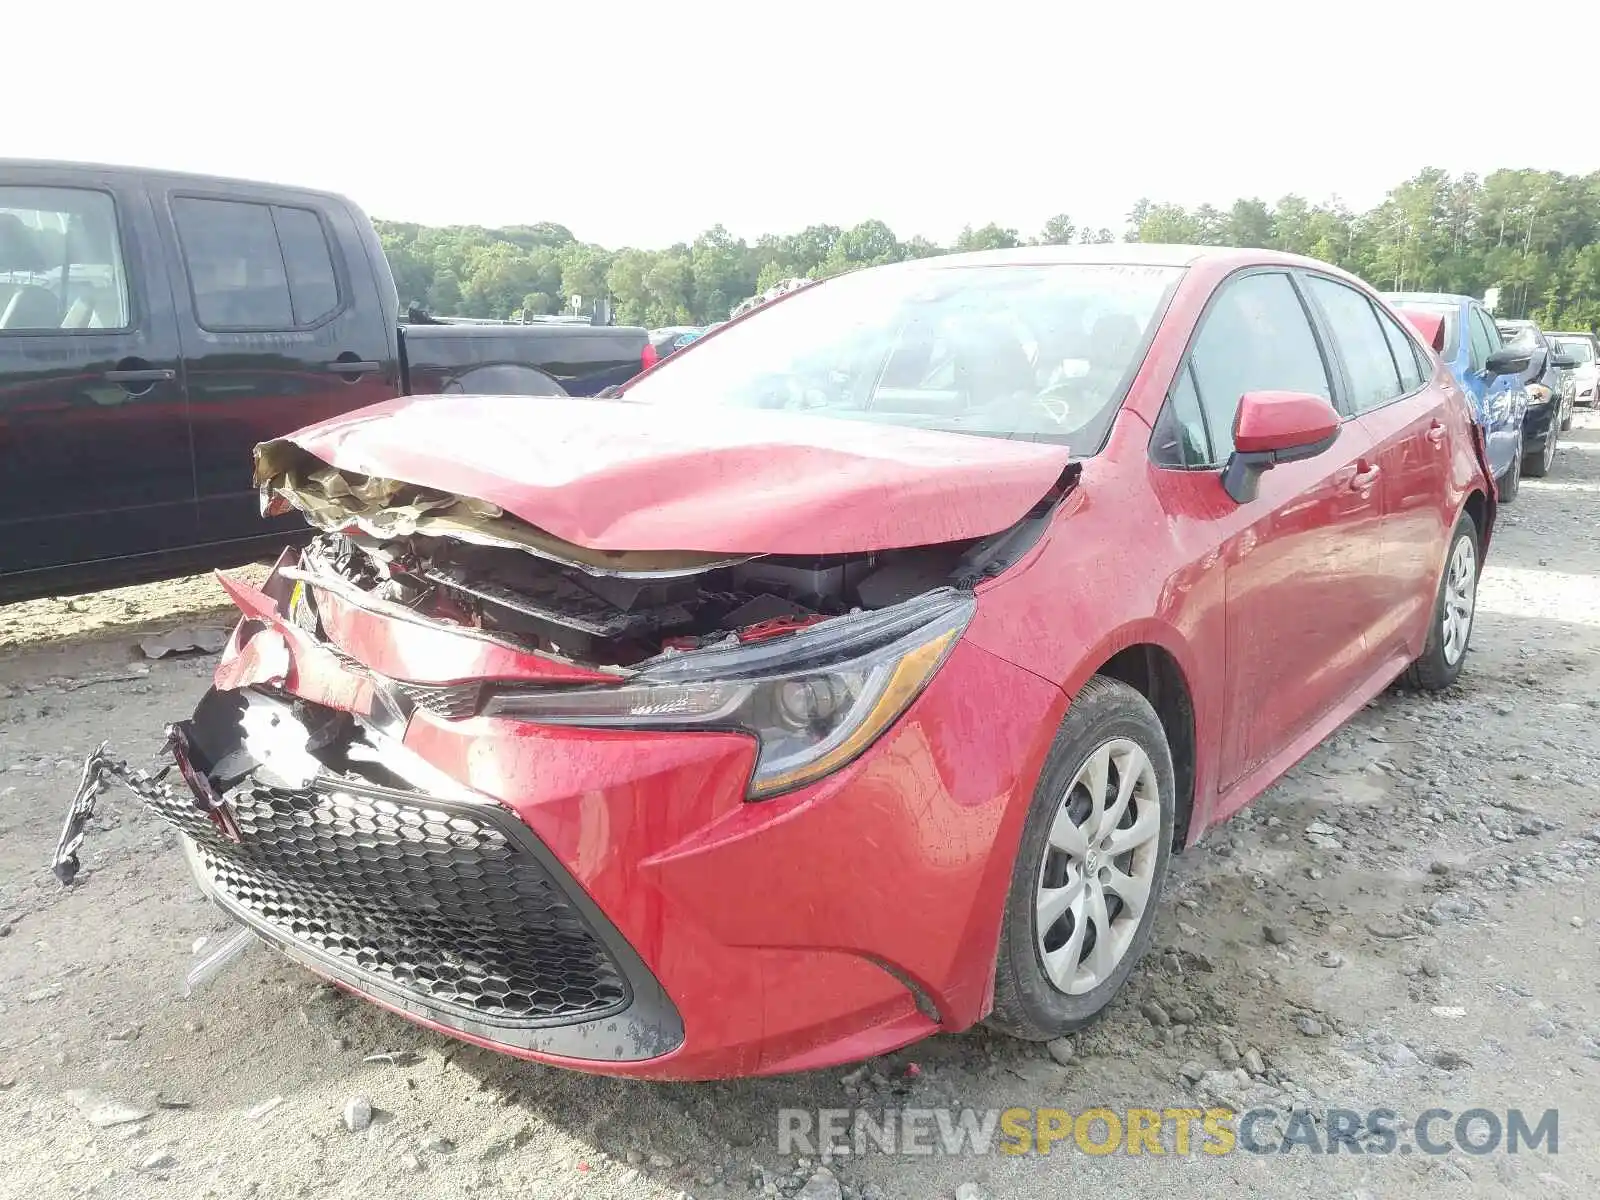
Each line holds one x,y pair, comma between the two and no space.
1404,349
255,266
1371,375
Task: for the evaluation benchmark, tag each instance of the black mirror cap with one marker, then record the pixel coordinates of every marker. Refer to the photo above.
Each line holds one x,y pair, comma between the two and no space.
1508,361
1565,362
1241,478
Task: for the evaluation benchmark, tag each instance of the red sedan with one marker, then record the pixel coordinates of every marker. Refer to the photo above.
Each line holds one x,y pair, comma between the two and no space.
852,677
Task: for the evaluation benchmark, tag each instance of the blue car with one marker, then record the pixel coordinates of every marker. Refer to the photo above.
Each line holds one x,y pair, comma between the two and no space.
1490,372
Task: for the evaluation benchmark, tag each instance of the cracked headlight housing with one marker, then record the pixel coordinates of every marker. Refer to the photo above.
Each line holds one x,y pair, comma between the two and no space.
813,700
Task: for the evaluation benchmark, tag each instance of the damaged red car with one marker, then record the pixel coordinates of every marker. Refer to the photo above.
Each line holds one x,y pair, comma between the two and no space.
851,677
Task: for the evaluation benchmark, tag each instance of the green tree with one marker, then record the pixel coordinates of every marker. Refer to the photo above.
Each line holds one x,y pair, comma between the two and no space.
989,237
1057,231
1533,234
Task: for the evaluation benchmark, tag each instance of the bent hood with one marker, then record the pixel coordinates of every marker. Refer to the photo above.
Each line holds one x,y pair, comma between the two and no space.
610,475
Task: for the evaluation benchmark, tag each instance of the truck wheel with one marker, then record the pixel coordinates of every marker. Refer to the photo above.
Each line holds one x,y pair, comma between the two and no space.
504,379
1088,873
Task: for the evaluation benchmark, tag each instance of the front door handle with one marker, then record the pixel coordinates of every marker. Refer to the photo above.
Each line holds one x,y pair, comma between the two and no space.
147,375
1436,433
353,366
1364,478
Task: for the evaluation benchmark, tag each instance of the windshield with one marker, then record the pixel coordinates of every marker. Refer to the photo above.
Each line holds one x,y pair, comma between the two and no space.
1577,348
1034,352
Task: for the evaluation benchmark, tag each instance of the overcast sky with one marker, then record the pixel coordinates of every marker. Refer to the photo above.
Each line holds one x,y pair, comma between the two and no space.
645,124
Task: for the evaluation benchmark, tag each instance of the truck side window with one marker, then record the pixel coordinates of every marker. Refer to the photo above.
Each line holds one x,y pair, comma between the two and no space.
255,266
61,268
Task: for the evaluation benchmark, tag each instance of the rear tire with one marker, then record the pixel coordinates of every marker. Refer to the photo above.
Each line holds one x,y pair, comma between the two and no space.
1454,611
1092,873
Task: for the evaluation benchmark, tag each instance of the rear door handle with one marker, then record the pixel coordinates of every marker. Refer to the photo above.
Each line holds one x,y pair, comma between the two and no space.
1436,433
358,367
150,375
1364,478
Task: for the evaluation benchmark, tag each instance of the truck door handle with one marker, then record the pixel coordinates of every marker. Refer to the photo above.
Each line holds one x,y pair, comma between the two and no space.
1436,433
148,375
1364,478
345,366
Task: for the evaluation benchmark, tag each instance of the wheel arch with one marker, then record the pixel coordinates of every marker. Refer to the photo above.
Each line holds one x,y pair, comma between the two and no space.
1154,660
1478,507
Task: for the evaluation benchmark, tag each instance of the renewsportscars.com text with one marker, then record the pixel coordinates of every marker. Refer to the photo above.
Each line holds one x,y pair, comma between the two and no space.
1164,1131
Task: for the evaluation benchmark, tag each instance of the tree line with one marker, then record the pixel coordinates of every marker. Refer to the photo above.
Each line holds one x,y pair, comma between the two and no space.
1532,234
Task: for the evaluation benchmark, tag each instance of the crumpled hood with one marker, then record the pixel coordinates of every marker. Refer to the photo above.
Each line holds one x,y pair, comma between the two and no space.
617,476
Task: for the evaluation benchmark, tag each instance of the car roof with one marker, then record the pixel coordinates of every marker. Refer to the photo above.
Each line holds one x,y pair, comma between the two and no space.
182,177
1430,297
1131,254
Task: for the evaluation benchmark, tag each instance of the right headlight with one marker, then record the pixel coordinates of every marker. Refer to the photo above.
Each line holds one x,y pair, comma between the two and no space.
813,700
1538,394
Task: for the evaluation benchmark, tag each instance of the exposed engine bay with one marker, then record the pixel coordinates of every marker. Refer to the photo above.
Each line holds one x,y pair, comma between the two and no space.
466,562
616,619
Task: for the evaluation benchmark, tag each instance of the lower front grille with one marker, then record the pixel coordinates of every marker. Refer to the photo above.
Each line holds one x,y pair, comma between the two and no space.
445,902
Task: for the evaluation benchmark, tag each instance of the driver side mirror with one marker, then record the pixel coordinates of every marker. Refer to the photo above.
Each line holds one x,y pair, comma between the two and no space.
1565,362
1272,428
1507,360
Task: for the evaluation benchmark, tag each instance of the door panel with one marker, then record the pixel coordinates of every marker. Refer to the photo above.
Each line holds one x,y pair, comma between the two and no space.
1411,440
281,326
95,458
1303,584
1304,587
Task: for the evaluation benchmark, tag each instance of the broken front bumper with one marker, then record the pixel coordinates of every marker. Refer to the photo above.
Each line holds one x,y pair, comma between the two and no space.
828,924
446,908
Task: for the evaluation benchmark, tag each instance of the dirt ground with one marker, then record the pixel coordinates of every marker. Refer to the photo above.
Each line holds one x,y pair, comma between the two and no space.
1405,922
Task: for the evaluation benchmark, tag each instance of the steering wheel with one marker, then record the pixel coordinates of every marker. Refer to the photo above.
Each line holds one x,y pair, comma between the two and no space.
1057,402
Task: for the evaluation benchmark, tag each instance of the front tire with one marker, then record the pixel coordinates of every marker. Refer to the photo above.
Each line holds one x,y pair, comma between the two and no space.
1088,873
1454,608
1512,480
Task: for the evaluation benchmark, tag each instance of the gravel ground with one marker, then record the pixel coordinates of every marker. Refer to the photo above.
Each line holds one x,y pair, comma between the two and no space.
1404,922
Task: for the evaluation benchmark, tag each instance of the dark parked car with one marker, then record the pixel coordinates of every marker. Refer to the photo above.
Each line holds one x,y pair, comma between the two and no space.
154,327
669,339
1549,408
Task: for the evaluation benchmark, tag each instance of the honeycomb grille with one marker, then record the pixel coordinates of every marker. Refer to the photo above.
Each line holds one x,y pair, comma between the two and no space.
452,701
443,902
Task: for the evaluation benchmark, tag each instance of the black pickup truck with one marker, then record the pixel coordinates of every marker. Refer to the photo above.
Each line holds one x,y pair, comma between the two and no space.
155,326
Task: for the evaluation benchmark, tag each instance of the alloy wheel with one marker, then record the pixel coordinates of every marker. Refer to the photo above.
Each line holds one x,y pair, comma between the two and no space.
1099,867
1460,596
